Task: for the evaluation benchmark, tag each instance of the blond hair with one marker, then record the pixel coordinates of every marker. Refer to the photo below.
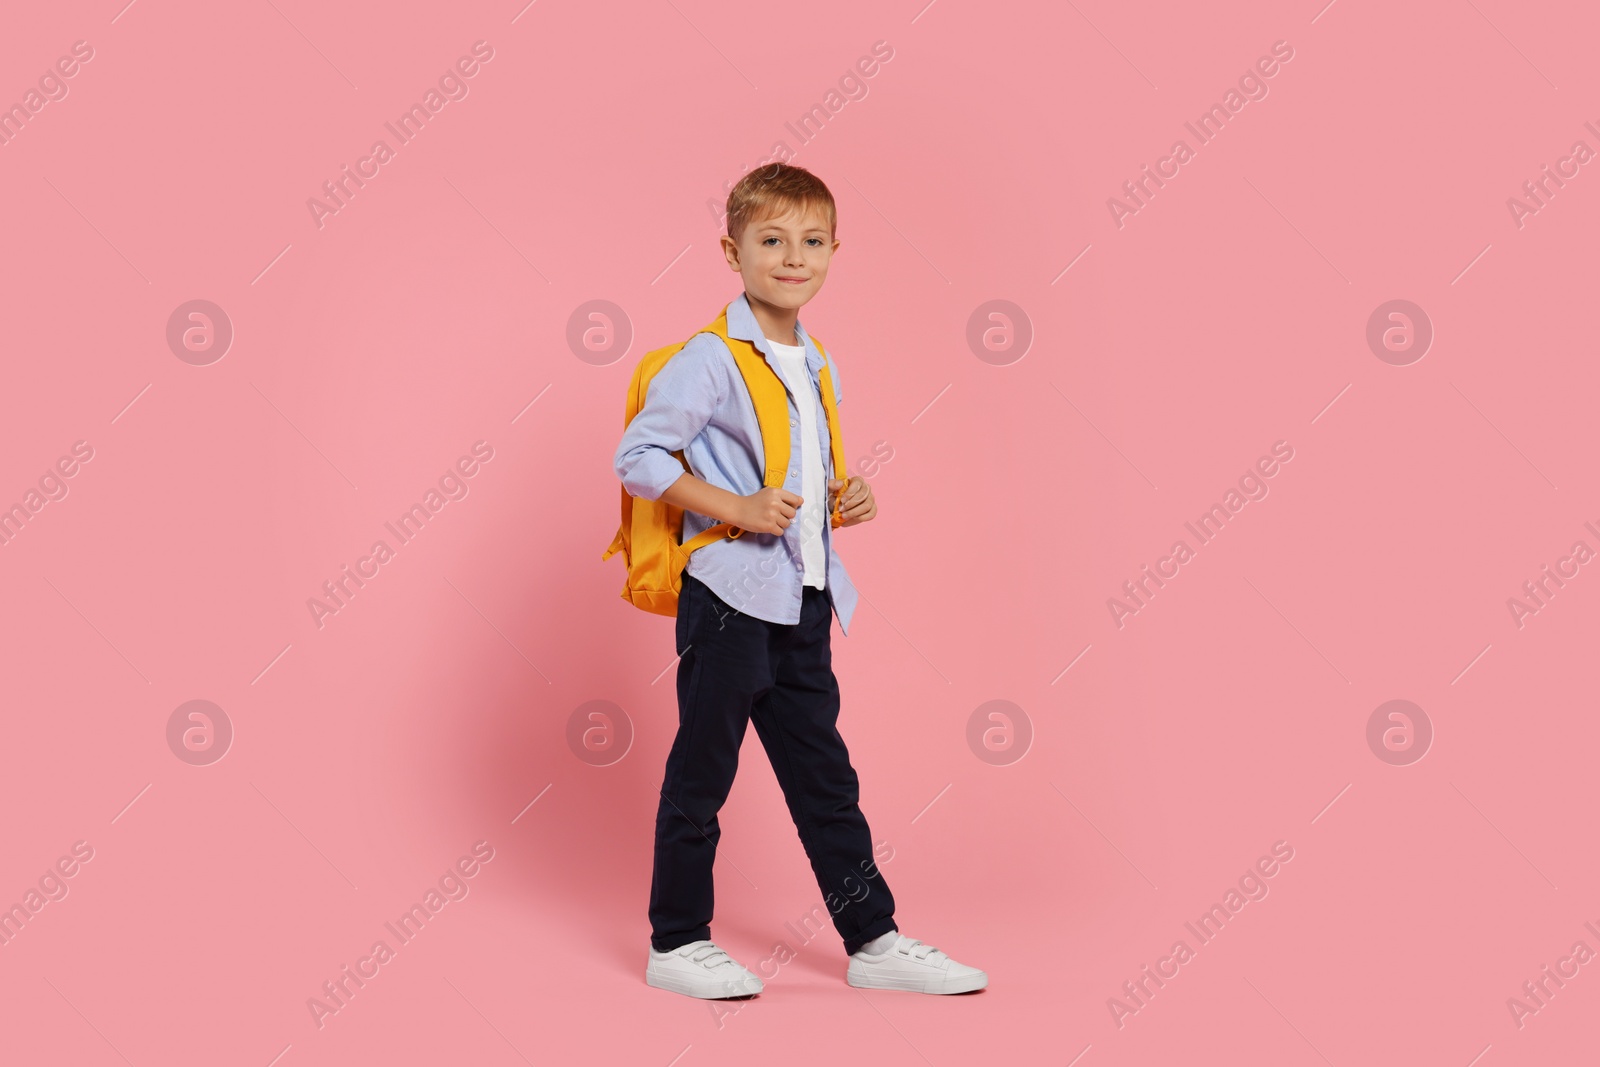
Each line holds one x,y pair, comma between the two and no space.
772,190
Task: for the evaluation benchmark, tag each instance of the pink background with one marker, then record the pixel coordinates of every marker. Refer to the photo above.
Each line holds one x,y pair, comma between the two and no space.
1228,714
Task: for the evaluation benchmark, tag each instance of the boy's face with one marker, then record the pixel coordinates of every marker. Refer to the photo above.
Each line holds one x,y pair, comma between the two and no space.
773,250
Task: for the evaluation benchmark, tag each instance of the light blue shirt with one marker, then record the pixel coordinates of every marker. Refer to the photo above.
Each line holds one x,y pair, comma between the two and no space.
698,402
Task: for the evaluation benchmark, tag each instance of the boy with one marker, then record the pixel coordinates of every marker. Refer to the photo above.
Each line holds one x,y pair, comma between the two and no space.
755,612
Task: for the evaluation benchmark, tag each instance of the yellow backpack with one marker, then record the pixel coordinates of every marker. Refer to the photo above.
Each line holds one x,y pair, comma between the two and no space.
650,537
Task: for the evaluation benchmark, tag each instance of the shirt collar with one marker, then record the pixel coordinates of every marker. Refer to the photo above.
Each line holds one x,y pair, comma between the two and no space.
742,324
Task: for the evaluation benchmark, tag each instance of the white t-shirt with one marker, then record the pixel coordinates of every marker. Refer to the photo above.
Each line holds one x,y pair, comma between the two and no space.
813,487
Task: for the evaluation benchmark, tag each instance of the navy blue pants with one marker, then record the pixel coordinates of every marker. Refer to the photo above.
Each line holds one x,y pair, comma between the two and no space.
735,668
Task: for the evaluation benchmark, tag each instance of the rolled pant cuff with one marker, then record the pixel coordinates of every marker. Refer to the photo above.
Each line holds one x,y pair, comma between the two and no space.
667,944
871,933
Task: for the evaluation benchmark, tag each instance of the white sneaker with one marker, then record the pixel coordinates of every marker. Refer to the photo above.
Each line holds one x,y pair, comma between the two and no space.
700,969
914,966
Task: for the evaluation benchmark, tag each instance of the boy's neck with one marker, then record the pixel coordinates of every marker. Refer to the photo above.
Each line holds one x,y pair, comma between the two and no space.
775,322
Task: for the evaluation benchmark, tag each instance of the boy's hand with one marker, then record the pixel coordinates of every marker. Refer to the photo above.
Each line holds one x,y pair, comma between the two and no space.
857,504
768,510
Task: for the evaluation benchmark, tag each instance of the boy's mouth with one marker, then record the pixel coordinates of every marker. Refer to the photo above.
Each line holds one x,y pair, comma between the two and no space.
793,281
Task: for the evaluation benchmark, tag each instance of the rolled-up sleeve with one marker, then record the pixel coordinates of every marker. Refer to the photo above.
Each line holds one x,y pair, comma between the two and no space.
679,401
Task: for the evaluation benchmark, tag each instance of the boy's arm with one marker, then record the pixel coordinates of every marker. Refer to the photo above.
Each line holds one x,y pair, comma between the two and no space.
701,497
679,402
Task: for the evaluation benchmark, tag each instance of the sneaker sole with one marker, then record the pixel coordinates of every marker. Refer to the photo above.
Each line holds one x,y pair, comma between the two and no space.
909,984
701,990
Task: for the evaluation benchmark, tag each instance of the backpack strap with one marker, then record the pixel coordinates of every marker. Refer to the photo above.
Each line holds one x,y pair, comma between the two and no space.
830,405
718,530
770,399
